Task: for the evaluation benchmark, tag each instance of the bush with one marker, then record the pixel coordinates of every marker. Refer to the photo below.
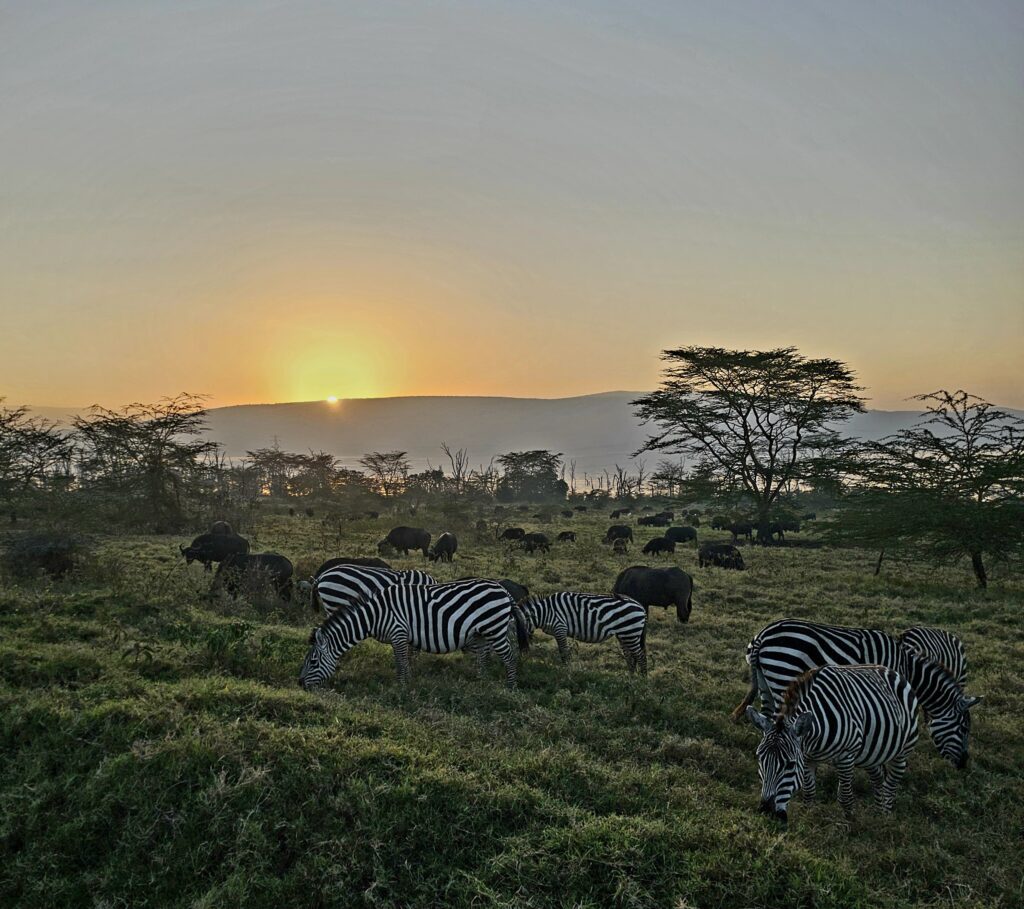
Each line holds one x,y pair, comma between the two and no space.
52,553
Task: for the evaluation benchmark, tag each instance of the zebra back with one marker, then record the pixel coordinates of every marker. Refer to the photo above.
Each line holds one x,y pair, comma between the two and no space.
588,616
344,586
939,646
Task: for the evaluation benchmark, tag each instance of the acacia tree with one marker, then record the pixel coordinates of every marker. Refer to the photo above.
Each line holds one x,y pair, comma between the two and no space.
388,470
531,475
33,453
951,487
762,421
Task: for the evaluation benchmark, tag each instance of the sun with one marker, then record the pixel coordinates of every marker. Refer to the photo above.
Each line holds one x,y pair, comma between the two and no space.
332,399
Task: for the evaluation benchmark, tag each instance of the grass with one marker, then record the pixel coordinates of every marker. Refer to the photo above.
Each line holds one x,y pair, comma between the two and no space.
156,750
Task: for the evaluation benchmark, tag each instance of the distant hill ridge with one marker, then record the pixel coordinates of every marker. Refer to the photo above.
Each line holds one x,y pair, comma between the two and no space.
597,430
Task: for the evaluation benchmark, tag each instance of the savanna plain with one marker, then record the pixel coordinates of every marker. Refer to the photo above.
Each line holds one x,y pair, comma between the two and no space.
156,749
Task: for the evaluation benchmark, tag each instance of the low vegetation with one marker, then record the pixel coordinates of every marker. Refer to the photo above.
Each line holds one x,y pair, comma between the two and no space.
157,751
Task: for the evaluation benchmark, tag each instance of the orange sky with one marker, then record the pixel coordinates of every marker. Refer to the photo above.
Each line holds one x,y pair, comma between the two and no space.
505,200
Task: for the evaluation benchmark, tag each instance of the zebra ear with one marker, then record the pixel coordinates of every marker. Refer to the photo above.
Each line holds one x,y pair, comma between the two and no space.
761,721
968,702
804,723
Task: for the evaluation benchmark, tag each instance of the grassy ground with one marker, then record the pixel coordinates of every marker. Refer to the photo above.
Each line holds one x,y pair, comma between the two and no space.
155,749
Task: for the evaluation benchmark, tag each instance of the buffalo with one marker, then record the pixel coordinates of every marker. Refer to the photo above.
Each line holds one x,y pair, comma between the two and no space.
579,508
512,534
719,522
567,536
657,587
444,548
402,539
659,545
566,513
214,547
535,541
741,529
671,515
621,513
220,527
654,520
723,555
240,570
619,547
681,534
618,532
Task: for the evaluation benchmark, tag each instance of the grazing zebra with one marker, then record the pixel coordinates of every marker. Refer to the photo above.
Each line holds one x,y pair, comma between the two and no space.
346,585
437,618
849,716
592,618
939,646
787,649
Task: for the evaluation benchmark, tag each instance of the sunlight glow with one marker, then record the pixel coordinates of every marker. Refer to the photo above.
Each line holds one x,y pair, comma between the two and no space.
332,399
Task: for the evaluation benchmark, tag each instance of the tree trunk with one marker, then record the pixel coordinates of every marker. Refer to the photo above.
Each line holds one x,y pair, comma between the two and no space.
764,535
878,564
979,568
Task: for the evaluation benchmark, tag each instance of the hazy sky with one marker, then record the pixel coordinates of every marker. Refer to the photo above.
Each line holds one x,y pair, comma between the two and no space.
282,201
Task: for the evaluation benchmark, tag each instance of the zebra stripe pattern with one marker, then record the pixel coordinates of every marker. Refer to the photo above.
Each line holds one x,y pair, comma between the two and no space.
345,585
437,618
784,650
848,716
592,618
939,646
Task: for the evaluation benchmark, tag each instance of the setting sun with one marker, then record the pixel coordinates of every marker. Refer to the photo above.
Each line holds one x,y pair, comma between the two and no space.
332,399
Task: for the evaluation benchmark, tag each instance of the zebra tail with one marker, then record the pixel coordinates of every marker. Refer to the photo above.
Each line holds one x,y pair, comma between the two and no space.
522,629
753,650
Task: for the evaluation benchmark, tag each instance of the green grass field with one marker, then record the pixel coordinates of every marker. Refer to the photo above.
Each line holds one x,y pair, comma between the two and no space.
155,749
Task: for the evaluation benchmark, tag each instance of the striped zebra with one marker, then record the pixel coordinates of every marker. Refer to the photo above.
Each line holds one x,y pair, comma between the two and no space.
785,650
939,646
346,585
848,716
592,618
436,618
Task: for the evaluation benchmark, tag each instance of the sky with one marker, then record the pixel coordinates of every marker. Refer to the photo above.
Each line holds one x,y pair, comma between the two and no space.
284,201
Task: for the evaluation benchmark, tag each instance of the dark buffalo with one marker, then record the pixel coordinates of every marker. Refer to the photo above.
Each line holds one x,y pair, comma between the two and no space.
671,515
619,547
566,513
722,555
220,527
246,571
367,562
523,508
214,547
621,512
533,542
693,517
741,529
719,522
567,536
657,587
810,516
654,520
579,508
659,545
618,532
512,533
402,539
681,534
444,548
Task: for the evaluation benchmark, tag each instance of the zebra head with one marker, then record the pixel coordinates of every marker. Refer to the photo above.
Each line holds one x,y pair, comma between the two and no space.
780,759
320,662
950,728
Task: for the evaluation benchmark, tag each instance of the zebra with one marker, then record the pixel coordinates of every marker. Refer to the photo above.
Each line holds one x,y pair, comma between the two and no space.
592,618
849,716
437,618
346,585
786,649
939,646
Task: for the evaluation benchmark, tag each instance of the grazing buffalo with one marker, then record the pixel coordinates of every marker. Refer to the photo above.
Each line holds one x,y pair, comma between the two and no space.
567,536
621,512
220,527
214,547
657,587
524,508
247,571
681,534
512,533
693,517
536,541
723,555
443,548
654,520
579,508
566,513
671,515
719,522
618,532
366,562
659,545
402,539
810,516
741,529
620,547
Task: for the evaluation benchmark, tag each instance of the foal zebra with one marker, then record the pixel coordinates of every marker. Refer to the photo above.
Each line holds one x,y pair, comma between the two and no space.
436,618
784,650
849,716
939,646
592,618
346,585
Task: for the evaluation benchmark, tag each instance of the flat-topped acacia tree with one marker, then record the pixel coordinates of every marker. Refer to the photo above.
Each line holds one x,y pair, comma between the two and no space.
759,421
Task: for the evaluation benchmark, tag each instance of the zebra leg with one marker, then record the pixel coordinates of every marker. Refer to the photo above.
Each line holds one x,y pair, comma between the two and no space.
401,649
503,648
808,783
877,775
633,650
845,771
562,641
893,774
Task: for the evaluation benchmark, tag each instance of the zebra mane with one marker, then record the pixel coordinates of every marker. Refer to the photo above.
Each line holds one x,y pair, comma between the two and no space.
796,690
